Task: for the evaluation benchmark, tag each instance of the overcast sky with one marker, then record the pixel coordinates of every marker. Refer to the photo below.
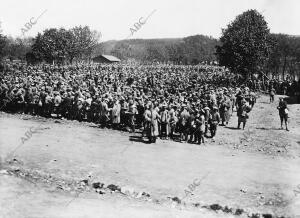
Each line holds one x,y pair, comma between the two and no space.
169,19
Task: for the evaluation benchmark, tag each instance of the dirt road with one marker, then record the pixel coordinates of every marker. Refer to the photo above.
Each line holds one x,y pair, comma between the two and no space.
247,173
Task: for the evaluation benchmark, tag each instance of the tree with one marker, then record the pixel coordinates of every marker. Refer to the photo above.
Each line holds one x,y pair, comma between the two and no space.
17,48
245,44
285,55
62,45
47,46
199,48
84,41
37,49
3,43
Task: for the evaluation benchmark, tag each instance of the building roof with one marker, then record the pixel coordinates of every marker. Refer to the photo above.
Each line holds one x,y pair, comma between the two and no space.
109,57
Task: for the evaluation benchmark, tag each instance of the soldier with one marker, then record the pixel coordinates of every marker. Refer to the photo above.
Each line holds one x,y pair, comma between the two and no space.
132,112
206,110
200,127
283,113
151,122
164,114
104,113
272,94
173,120
115,114
183,119
225,108
214,121
242,113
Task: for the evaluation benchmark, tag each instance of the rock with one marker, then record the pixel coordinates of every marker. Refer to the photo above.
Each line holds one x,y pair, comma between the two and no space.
146,194
173,205
67,188
84,182
215,207
98,185
127,190
101,192
243,190
139,195
239,211
226,209
196,204
113,187
176,199
255,215
4,172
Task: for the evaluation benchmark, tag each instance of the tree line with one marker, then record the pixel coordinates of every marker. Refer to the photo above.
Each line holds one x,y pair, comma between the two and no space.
52,46
188,50
246,47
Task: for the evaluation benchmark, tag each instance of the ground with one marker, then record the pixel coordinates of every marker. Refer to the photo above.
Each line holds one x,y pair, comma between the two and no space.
59,168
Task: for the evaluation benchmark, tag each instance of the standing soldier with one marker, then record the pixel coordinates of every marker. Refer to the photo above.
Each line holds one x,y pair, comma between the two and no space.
172,120
151,122
272,94
115,114
283,113
164,114
104,111
183,119
225,109
124,110
242,113
200,127
214,121
206,110
132,112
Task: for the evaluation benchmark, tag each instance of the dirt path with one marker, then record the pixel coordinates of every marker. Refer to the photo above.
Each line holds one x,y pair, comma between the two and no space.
256,170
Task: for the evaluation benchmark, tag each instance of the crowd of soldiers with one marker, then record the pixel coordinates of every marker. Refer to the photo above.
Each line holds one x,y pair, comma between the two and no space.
288,86
185,103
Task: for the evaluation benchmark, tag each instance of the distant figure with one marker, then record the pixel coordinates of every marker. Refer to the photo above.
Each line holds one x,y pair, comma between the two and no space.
242,113
272,94
151,122
214,121
283,113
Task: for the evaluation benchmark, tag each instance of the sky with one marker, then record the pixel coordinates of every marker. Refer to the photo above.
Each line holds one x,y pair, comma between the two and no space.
115,19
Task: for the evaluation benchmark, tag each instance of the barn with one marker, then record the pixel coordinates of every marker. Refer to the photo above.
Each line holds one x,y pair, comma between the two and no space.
105,59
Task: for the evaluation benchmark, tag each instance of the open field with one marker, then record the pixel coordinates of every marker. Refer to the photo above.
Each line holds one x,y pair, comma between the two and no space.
255,171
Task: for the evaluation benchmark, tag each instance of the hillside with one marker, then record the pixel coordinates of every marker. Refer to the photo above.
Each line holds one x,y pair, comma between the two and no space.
188,50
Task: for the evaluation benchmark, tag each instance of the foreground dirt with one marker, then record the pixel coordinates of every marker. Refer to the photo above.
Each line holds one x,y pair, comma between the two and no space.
51,172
